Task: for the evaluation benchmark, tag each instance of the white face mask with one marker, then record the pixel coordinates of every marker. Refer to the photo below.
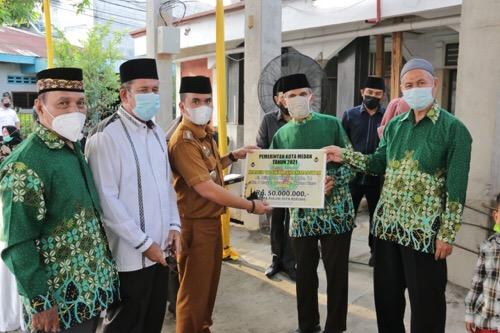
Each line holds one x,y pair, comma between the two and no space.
69,125
299,106
200,115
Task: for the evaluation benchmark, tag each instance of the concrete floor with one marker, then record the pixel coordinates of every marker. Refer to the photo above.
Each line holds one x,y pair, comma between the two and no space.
248,302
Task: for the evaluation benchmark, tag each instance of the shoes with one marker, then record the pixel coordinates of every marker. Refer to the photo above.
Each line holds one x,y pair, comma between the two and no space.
371,262
316,329
274,268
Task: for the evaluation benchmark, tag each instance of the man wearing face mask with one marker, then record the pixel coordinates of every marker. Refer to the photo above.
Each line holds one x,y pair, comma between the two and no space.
198,180
331,226
56,244
425,156
8,116
128,156
281,246
360,124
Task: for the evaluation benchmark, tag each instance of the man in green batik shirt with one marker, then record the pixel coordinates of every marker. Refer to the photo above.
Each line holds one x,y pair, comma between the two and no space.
56,246
331,226
425,155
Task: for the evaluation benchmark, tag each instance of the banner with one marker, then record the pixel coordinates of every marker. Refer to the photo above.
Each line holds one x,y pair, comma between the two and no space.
292,178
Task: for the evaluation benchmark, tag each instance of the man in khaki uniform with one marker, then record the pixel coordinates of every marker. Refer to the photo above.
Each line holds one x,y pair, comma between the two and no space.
198,181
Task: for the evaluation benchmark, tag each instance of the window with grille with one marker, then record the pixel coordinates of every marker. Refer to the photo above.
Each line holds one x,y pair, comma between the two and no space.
451,54
19,79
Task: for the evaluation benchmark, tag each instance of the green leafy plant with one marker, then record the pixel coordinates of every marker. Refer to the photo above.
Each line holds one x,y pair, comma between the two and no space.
98,58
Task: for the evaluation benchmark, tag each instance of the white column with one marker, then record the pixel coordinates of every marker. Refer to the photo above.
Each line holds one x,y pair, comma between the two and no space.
164,62
262,43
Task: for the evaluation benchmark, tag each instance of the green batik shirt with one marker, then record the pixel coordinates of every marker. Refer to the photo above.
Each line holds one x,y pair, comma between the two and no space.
315,132
56,245
426,168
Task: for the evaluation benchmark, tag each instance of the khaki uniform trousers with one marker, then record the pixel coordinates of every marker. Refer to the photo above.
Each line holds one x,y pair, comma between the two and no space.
199,271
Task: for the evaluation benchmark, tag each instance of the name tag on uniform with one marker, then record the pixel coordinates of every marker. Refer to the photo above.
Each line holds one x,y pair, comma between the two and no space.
206,151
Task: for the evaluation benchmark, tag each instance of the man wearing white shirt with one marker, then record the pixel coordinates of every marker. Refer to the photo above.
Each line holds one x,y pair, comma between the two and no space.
8,116
128,156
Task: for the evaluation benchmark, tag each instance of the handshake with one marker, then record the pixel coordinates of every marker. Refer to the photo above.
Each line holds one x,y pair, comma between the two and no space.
334,154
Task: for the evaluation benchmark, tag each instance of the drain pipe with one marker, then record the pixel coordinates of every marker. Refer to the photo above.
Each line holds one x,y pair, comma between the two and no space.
378,19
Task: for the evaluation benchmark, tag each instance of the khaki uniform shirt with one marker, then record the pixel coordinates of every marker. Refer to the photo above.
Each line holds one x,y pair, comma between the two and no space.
194,159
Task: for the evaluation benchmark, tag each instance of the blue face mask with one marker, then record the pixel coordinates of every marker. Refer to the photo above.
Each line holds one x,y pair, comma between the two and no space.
418,98
7,138
147,105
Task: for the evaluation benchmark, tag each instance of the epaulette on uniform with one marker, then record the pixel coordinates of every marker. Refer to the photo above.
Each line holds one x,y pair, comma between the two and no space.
187,135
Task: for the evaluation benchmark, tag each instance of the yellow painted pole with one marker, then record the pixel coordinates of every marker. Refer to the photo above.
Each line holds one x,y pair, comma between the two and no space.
220,63
48,34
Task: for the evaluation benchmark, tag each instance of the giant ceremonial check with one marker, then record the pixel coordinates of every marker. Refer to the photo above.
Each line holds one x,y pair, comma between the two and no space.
287,178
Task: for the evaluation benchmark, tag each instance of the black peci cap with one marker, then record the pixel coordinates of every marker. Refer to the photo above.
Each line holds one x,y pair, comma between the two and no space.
374,82
294,81
60,79
143,68
195,84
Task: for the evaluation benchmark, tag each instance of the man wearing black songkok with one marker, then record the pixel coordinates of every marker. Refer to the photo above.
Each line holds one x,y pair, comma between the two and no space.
281,244
330,226
199,181
360,124
128,156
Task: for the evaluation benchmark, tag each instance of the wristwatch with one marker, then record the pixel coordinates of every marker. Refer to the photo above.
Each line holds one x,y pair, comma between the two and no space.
251,211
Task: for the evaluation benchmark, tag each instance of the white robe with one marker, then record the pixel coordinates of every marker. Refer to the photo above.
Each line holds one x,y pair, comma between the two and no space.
121,150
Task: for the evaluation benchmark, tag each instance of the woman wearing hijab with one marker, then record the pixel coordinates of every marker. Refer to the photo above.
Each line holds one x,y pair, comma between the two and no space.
11,138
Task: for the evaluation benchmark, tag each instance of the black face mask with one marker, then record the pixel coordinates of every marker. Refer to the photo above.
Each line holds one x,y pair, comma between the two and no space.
371,102
6,105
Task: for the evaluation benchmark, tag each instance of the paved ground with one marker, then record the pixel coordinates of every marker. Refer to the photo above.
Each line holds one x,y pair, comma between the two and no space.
248,302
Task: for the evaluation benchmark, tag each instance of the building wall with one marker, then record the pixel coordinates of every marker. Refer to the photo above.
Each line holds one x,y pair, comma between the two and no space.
300,19
478,106
196,67
13,69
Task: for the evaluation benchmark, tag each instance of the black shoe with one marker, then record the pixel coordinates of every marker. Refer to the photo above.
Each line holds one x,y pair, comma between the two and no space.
274,268
316,329
371,261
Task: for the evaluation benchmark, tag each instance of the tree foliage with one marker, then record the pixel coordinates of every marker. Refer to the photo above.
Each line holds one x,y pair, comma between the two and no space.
19,12
98,58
